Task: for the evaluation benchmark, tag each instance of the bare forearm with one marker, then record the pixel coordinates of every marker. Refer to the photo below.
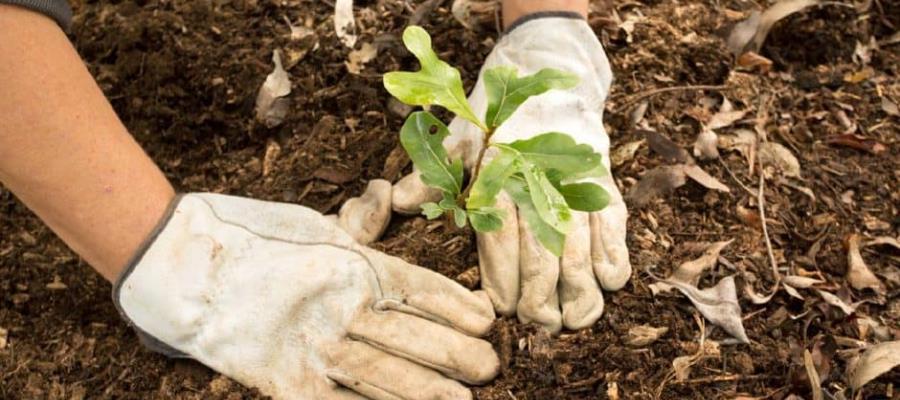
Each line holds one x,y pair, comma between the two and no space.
515,9
63,150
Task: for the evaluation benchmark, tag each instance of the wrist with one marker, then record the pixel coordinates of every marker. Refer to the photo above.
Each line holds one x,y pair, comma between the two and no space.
513,10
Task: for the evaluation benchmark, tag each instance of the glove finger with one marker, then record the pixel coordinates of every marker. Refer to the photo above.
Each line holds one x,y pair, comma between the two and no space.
378,375
424,293
582,301
410,193
498,258
423,342
539,271
366,217
609,251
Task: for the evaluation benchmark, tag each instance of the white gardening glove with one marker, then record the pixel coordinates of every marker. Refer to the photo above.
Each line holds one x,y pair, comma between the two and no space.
281,299
517,272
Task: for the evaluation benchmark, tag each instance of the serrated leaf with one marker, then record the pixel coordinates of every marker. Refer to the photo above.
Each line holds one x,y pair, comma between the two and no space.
585,196
506,91
435,83
552,239
491,178
432,210
486,219
548,202
558,151
422,136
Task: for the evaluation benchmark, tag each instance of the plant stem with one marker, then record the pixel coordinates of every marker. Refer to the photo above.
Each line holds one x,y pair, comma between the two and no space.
484,146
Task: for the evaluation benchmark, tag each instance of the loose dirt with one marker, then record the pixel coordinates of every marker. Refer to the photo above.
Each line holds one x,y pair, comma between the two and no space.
183,76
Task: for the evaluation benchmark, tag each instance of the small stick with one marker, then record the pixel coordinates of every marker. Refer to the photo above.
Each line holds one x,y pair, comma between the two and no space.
761,203
650,93
723,378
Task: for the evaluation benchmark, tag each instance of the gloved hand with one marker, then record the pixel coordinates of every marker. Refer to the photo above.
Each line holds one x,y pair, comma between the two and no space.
279,298
517,273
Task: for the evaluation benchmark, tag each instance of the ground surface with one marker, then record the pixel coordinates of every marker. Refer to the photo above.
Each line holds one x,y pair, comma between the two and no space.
183,76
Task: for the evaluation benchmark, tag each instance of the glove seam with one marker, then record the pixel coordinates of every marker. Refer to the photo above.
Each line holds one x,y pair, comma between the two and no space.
540,15
148,340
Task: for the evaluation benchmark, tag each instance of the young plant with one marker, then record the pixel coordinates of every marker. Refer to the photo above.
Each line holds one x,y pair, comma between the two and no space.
540,174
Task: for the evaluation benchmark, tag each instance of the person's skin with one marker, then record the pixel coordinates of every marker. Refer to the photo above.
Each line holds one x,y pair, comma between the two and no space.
63,150
68,157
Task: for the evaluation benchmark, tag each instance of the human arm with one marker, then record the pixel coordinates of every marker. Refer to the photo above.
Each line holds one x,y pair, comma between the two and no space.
273,295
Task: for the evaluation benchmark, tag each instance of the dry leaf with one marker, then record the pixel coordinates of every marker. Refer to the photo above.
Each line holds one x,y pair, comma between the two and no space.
780,157
705,145
726,116
473,14
344,25
656,182
858,142
815,384
682,367
743,141
624,153
792,292
801,282
271,104
752,60
882,240
700,176
758,298
876,360
750,34
889,107
662,145
642,335
859,76
718,304
689,272
4,337
858,273
837,302
357,59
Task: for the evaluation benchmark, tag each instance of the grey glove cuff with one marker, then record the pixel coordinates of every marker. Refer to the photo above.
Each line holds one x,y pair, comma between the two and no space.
58,10
149,341
542,14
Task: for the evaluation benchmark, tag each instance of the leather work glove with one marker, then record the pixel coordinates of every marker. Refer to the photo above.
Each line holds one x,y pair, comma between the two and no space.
517,272
279,298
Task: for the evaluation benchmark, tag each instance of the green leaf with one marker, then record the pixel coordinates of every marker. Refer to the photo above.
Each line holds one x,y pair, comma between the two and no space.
491,178
585,196
558,151
422,136
506,92
435,83
459,217
486,219
552,239
432,210
549,204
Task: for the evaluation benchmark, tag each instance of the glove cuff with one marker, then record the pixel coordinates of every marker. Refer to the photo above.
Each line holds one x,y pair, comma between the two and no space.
149,341
542,14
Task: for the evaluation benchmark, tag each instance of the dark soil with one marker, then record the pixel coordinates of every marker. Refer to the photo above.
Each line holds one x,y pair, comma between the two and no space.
183,75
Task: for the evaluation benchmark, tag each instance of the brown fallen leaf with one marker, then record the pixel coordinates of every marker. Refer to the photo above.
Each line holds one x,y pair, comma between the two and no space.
271,104
669,150
743,141
718,304
703,178
815,383
858,273
876,360
858,142
749,35
656,182
801,282
624,153
779,157
689,272
859,76
833,300
334,175
642,335
357,59
751,60
889,107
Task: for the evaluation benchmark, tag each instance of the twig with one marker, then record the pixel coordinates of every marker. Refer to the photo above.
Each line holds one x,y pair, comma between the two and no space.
733,176
761,203
723,378
653,92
